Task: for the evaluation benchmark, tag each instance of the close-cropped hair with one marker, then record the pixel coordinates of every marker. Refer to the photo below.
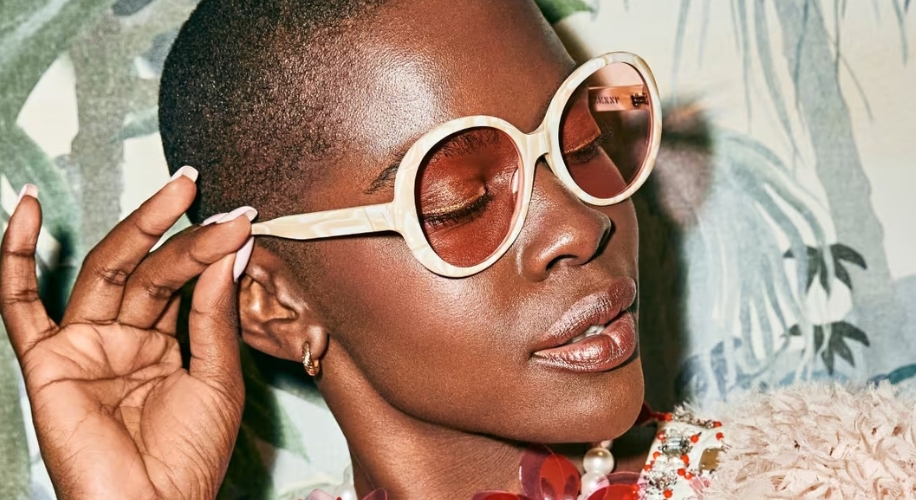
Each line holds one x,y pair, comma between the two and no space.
246,96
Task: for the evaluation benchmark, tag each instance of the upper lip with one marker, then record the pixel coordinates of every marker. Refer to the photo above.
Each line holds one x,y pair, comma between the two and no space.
598,308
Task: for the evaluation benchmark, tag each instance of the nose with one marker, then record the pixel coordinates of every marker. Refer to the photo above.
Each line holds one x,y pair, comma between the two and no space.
560,230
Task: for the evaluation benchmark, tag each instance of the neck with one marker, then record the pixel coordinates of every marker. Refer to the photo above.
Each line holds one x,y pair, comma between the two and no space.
410,458
420,461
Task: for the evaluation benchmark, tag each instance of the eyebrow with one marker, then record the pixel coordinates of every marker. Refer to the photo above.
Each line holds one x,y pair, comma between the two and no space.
385,178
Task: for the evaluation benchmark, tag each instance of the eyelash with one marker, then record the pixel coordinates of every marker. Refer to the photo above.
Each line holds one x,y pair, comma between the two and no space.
588,152
465,213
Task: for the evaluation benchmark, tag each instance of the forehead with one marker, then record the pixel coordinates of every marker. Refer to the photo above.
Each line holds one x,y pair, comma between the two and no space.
421,64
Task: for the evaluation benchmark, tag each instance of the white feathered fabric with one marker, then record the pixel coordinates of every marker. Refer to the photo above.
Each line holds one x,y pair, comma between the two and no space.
818,441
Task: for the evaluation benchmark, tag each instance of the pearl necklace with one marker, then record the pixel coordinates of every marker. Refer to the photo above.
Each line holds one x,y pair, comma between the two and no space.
598,463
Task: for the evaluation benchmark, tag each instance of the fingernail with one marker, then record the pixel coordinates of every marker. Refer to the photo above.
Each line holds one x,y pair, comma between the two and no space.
248,212
27,190
213,218
241,259
185,171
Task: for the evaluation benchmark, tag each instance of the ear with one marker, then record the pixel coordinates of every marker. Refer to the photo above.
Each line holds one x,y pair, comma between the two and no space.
274,313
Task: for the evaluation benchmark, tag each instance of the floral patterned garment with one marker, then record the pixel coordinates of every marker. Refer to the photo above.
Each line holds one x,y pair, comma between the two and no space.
679,466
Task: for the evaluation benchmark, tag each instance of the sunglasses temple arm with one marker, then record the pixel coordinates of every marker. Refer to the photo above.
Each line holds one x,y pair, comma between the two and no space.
328,224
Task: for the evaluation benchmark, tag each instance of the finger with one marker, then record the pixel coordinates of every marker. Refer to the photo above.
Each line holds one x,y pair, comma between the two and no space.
156,280
168,322
96,296
213,324
26,320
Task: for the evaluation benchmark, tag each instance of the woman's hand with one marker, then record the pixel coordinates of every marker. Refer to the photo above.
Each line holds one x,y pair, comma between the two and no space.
117,416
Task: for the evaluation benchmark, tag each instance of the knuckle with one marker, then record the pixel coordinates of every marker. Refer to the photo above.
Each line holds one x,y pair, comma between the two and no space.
200,257
112,275
17,253
140,223
25,295
97,264
158,292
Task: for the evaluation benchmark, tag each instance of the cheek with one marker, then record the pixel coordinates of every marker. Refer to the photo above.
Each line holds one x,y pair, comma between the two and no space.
449,351
392,315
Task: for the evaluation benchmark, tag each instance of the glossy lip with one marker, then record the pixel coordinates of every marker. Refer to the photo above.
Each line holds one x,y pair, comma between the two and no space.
608,349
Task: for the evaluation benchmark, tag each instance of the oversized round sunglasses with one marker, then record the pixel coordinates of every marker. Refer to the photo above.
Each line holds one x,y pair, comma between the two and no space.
462,191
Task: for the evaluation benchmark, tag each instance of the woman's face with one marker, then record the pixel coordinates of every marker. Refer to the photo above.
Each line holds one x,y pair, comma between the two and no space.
460,352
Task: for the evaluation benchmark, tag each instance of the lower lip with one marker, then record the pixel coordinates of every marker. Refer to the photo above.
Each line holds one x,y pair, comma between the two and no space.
598,353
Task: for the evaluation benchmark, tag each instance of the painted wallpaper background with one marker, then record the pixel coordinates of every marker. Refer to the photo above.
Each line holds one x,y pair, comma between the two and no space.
778,232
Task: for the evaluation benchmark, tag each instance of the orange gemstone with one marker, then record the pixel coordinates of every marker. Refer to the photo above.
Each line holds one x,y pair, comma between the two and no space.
681,472
668,494
719,436
656,454
688,476
694,438
647,467
717,424
668,417
662,436
686,459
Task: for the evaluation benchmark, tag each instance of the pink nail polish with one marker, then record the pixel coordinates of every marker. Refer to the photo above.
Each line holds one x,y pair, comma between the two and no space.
186,171
27,190
213,218
248,212
241,259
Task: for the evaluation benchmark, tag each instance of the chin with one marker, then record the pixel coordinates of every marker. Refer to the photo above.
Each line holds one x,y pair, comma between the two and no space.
625,397
612,409
588,408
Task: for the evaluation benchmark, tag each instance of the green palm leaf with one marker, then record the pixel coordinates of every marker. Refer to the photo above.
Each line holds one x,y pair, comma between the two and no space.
15,477
555,10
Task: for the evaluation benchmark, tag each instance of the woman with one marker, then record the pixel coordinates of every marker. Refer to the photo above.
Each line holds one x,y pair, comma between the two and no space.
442,362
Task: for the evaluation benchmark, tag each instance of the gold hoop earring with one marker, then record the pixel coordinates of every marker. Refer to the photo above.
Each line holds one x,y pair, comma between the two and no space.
312,366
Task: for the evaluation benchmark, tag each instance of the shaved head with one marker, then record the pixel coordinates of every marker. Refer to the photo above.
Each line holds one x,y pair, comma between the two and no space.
246,92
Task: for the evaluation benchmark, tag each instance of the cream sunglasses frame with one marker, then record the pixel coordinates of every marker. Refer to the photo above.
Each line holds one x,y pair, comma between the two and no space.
400,215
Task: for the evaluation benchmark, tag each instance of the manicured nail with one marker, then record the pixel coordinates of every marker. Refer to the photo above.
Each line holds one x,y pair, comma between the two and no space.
241,259
185,171
27,190
213,218
248,212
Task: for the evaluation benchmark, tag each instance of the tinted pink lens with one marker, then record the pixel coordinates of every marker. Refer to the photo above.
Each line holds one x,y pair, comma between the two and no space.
467,194
605,130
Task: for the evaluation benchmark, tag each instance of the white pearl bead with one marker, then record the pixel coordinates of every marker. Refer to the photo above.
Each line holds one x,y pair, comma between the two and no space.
591,482
345,492
598,460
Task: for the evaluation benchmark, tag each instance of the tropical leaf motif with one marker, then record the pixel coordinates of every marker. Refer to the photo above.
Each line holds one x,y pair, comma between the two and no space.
146,122
129,7
817,266
34,33
839,332
14,450
247,475
898,375
264,415
842,253
264,419
555,10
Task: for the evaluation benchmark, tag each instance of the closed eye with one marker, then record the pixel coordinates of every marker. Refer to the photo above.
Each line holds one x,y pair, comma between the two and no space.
463,212
588,151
